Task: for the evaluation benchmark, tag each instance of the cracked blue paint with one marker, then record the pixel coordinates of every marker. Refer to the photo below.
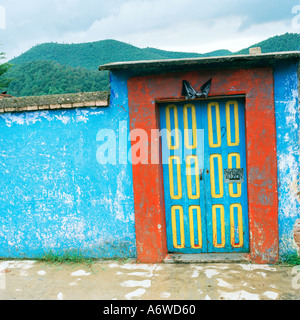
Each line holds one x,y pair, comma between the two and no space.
54,194
287,128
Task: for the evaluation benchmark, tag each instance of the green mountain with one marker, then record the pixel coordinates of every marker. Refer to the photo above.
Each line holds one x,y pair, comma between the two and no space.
66,68
286,42
91,55
48,77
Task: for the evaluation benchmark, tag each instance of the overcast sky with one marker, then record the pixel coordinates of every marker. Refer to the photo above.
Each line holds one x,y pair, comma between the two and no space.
178,25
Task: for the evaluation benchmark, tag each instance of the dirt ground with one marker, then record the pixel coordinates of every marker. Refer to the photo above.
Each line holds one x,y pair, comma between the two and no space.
114,280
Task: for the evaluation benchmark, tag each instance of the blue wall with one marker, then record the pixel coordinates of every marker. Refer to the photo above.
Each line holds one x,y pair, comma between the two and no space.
287,126
54,193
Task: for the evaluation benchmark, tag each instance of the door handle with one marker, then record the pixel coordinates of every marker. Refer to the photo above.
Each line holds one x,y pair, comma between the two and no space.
201,173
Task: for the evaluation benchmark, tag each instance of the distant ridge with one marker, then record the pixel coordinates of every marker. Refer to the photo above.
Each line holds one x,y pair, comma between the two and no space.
69,68
90,55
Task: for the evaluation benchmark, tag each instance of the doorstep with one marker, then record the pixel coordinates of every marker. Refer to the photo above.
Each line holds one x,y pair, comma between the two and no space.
207,258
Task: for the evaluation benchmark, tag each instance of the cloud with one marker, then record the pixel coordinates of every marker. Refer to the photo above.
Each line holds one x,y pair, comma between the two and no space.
29,22
191,25
183,25
258,12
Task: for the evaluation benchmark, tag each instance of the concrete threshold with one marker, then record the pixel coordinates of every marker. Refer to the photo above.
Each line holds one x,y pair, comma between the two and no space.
208,258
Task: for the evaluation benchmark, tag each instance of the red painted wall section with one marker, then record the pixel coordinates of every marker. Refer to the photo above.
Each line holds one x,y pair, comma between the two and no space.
257,85
148,191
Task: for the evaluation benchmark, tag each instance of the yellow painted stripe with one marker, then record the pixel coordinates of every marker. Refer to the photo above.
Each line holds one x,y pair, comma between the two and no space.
214,221
238,165
212,176
186,126
210,125
236,123
240,226
174,227
189,177
192,233
169,131
171,177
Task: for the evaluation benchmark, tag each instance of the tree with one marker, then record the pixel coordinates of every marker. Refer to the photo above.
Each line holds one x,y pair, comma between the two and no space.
4,67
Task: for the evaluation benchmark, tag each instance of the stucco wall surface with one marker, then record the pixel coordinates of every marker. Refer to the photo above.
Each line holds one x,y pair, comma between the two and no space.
55,195
287,127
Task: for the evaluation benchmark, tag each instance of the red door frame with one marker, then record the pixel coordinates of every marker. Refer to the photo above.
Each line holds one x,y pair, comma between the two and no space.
257,86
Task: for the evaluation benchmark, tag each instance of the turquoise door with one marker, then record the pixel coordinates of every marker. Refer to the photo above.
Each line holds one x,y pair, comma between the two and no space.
204,173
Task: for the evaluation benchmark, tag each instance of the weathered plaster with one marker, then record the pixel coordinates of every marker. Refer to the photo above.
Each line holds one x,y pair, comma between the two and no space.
54,194
287,128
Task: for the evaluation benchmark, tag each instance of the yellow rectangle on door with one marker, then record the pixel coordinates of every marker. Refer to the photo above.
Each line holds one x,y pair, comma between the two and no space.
174,227
215,229
192,227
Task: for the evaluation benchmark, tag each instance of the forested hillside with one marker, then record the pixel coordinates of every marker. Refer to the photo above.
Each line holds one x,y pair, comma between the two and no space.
91,55
286,42
67,68
46,77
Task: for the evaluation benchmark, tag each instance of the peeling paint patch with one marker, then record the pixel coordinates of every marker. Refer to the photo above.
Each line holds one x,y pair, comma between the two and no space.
63,118
292,108
55,195
288,151
82,115
121,198
66,117
10,118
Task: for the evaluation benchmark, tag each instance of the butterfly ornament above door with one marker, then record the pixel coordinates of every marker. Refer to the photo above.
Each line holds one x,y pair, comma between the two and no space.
190,93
